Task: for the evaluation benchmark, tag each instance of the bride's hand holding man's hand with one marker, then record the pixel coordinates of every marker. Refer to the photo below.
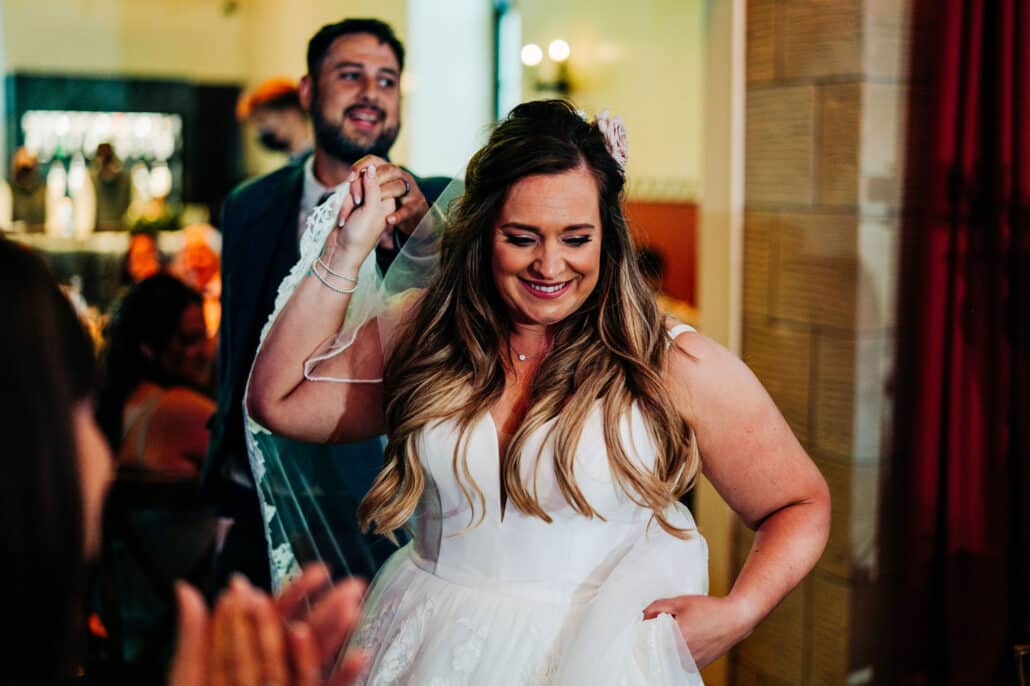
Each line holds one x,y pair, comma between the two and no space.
361,221
399,185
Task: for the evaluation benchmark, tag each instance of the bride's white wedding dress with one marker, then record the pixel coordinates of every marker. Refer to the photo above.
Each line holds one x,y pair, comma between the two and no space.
517,600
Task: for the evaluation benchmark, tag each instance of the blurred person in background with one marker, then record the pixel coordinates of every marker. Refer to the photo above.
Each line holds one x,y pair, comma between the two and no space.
157,365
113,187
153,410
57,470
198,265
143,259
352,94
273,108
28,191
652,267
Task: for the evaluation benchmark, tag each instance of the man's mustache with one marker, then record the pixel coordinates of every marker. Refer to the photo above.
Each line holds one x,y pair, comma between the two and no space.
380,112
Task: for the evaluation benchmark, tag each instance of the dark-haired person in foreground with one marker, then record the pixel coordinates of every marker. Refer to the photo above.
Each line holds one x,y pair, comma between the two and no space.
352,93
57,467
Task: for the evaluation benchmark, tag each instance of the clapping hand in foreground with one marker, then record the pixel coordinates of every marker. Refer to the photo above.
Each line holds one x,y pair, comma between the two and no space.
249,638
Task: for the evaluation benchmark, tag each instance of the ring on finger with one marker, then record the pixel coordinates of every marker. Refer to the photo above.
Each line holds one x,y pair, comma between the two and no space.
407,187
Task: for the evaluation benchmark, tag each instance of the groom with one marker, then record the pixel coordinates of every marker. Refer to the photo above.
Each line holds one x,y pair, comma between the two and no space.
352,94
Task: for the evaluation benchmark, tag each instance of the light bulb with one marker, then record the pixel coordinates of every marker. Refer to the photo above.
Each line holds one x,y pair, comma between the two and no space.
532,55
558,50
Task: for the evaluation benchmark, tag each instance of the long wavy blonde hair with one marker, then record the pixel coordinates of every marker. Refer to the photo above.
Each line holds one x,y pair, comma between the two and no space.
450,360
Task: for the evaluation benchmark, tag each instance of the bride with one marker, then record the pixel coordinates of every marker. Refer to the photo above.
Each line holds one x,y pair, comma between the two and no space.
543,420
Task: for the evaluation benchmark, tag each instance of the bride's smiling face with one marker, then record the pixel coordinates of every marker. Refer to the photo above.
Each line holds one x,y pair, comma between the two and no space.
547,246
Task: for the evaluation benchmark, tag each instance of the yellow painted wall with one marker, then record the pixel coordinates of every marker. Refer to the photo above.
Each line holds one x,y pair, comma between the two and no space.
645,61
278,30
191,39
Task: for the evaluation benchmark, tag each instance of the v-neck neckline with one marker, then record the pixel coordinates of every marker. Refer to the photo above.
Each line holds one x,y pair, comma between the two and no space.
495,435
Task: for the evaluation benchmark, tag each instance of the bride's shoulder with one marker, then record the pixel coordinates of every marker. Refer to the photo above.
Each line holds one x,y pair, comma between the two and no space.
701,372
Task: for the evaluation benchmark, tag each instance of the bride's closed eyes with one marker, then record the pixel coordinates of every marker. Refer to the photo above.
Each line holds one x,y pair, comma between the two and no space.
525,235
523,241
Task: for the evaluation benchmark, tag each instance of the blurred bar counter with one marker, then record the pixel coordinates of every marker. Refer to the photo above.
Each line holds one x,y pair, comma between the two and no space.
94,265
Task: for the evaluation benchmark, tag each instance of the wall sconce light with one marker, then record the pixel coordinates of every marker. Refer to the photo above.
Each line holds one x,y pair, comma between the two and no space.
558,52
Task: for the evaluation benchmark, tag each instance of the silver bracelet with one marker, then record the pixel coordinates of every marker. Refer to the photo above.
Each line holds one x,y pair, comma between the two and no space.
334,289
321,261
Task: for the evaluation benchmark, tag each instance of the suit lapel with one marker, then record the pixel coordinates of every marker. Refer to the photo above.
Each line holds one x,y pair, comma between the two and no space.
270,249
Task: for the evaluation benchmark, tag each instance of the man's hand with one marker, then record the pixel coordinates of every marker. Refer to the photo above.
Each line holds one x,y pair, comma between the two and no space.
398,185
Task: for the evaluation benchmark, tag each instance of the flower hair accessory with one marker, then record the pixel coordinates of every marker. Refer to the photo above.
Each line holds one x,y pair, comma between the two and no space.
614,132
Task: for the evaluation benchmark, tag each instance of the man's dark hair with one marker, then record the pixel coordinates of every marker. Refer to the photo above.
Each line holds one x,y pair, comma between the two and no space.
319,44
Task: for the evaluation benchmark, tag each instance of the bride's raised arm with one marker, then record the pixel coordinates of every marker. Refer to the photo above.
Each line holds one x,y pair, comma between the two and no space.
280,396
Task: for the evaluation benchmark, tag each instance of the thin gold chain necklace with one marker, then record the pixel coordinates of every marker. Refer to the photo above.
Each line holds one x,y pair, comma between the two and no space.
522,357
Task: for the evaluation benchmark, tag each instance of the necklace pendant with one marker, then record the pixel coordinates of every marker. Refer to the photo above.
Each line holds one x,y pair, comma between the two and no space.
522,358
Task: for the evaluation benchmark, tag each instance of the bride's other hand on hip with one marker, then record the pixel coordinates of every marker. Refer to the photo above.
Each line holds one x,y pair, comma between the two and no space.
710,626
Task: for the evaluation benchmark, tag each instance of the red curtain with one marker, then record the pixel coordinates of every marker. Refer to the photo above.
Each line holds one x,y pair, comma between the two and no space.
955,525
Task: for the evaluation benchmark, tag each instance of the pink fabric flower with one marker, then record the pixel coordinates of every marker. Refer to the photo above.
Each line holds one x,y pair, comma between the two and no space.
614,132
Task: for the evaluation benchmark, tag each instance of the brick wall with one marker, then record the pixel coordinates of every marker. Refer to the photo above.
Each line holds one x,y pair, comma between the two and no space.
826,100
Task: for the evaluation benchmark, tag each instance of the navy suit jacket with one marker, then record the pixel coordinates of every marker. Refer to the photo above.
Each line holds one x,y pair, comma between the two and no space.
259,247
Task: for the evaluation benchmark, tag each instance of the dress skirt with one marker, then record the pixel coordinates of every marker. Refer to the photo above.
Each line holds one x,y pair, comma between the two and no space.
430,628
